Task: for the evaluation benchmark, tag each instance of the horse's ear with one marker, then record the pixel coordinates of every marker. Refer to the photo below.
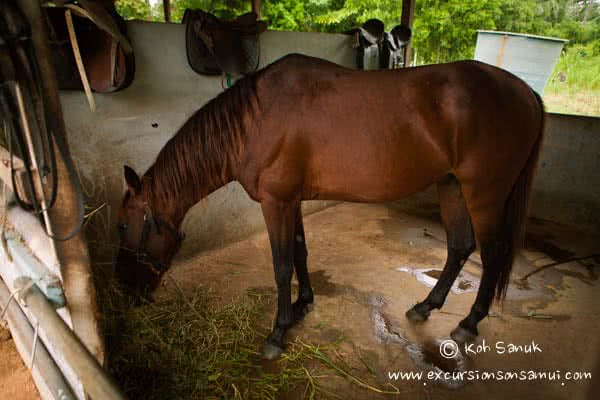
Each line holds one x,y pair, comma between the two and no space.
133,180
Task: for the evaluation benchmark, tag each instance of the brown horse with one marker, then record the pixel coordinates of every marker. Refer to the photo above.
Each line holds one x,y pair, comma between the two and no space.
304,128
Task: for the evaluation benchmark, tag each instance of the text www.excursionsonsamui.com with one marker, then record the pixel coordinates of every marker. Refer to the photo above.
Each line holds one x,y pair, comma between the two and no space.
477,375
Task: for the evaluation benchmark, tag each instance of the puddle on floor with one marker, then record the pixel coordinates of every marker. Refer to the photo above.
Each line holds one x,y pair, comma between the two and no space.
427,358
463,284
384,332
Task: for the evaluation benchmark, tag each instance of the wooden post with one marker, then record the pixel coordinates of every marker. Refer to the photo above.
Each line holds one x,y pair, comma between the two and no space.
167,10
408,12
256,7
73,254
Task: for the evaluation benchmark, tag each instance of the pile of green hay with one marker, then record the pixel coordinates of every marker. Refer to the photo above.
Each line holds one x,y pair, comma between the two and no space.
194,345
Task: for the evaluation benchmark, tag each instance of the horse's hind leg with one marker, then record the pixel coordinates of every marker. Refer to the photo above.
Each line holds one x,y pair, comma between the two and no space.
493,255
461,242
305,292
496,256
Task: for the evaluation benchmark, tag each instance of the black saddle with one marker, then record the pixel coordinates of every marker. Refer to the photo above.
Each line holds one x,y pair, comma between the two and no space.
377,49
217,46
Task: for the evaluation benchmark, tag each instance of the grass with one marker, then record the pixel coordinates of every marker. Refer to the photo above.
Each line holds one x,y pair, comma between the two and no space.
577,102
574,87
197,346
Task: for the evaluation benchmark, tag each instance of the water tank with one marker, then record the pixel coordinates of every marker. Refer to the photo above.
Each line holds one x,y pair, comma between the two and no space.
530,57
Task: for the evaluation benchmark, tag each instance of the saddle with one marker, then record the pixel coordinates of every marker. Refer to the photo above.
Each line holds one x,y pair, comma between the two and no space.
216,47
105,51
378,49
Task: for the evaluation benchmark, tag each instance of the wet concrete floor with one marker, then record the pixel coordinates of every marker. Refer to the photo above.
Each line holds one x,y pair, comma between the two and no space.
370,263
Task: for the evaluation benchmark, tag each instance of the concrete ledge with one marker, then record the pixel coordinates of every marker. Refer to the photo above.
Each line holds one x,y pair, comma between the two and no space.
567,183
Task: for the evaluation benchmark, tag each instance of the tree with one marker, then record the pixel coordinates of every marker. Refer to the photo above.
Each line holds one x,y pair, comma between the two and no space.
226,9
351,13
446,29
443,30
133,9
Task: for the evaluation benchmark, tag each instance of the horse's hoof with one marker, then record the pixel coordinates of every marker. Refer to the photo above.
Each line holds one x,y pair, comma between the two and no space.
270,351
461,335
300,309
415,316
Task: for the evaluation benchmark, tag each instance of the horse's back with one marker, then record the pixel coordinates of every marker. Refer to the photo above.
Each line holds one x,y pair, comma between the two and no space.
381,135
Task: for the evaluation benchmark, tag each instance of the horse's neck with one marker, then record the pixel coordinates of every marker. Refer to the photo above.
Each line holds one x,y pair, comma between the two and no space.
190,186
183,198
191,166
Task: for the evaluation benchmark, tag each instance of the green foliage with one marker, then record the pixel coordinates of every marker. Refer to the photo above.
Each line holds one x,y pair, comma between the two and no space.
574,87
444,30
294,15
227,9
350,13
578,69
133,9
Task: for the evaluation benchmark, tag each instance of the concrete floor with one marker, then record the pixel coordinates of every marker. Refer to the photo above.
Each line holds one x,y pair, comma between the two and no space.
16,382
363,262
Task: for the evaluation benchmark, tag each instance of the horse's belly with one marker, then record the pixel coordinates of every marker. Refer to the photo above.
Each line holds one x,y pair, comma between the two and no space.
370,184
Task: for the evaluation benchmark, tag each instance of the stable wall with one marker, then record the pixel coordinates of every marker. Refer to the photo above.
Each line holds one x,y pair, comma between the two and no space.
567,183
130,127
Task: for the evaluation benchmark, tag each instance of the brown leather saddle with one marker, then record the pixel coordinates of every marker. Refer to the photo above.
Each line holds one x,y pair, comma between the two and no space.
378,49
216,46
106,52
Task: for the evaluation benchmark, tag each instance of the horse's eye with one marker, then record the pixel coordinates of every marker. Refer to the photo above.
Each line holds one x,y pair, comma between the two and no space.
122,227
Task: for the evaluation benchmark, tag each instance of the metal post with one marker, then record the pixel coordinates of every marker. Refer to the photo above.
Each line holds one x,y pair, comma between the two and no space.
408,12
46,374
95,380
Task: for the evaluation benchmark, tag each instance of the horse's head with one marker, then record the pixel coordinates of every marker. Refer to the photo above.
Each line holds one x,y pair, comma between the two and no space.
149,237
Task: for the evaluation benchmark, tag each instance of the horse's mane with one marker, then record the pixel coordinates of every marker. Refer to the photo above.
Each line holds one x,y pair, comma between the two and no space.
205,151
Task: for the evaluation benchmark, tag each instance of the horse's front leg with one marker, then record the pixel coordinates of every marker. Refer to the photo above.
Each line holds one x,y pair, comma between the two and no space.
280,218
305,292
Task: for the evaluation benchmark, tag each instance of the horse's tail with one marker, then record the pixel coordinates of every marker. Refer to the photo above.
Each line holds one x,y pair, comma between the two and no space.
517,207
